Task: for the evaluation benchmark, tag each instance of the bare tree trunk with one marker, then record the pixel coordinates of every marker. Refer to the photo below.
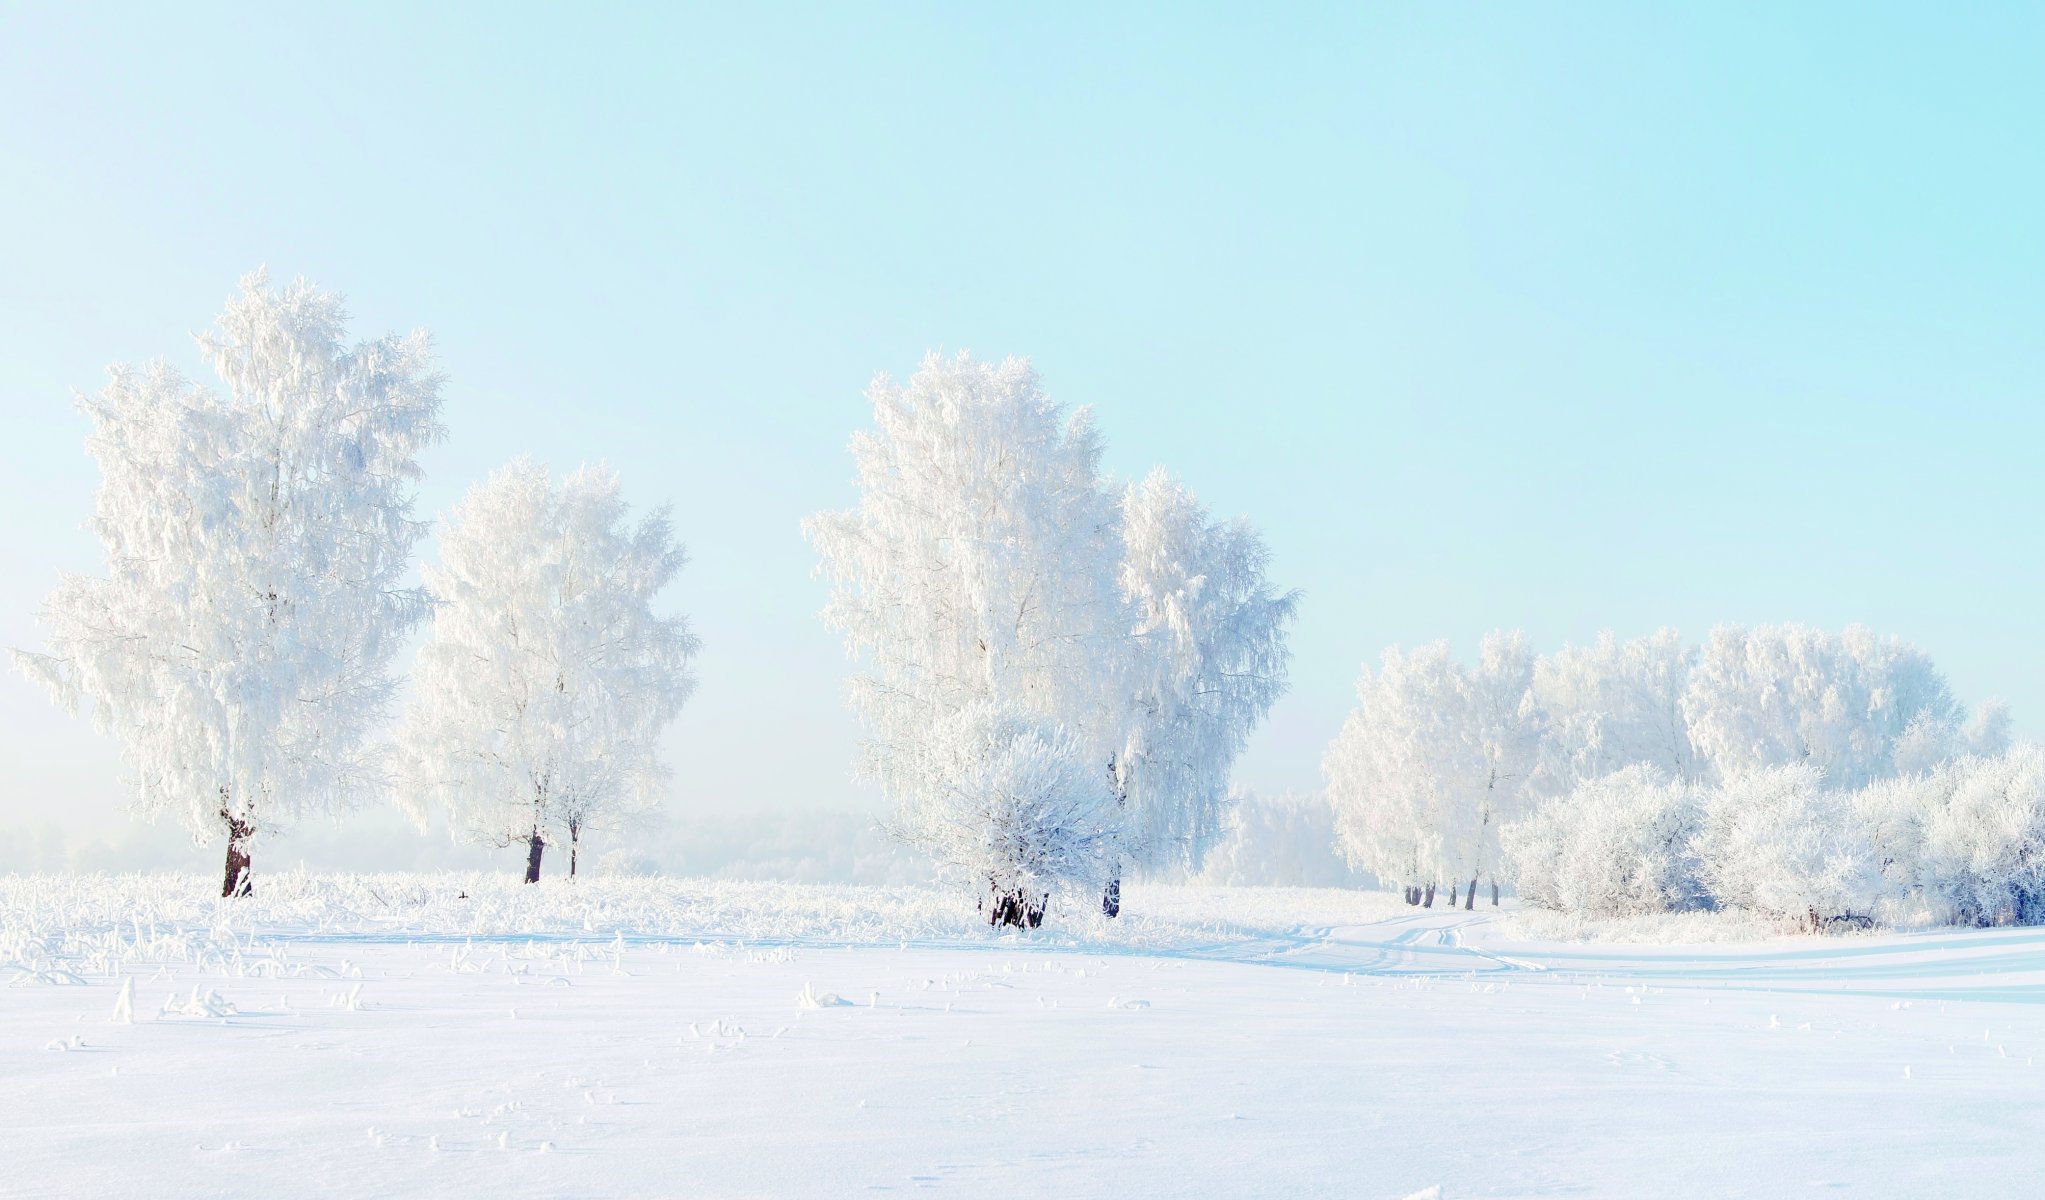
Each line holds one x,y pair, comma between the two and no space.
1428,900
574,847
1453,885
1470,897
1494,893
1111,900
535,847
237,883
1412,895
1017,910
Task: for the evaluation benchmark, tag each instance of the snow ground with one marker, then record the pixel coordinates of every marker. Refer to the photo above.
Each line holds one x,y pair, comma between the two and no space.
379,1036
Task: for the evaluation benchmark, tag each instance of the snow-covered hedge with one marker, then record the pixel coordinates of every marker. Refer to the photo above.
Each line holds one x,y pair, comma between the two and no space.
1613,847
1779,843
1963,843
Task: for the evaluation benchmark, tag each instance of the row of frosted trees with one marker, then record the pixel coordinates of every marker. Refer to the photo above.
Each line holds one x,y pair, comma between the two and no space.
1057,673
1786,771
258,540
1059,669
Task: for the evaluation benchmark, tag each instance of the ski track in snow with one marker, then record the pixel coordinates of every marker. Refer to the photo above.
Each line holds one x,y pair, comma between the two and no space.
1346,1056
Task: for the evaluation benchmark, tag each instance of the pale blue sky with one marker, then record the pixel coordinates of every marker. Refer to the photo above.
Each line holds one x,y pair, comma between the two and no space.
1565,317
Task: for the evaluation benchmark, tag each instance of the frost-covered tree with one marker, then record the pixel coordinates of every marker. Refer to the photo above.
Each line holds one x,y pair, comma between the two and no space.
989,565
1432,761
1612,705
1615,846
976,577
256,540
549,677
1209,660
1854,705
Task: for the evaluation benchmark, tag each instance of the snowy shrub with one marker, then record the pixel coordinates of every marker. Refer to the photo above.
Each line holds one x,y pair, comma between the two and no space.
1021,812
1892,813
1612,847
1983,839
1779,843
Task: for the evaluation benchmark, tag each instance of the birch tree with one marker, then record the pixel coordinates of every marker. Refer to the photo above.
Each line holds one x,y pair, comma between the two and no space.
1209,660
1613,705
990,569
256,536
547,681
976,573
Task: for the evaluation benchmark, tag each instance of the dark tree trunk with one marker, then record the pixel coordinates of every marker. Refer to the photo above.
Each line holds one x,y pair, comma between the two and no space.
1412,895
237,881
1453,885
574,848
1017,910
1427,900
535,847
1470,897
1494,893
1111,900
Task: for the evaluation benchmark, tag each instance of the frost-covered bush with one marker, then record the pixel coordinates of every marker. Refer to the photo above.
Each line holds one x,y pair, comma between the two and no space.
1779,843
1616,846
1018,808
1982,850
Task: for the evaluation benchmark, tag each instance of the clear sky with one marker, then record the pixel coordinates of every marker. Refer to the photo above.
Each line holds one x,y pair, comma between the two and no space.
1565,317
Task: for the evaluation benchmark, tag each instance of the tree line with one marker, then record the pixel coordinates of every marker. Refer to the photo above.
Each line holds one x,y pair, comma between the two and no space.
1794,772
1057,670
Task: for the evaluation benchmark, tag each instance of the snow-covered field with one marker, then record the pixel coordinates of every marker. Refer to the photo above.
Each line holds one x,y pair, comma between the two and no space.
387,1035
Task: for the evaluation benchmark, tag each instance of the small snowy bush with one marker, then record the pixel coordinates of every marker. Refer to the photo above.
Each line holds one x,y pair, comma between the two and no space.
1018,809
1779,843
1612,847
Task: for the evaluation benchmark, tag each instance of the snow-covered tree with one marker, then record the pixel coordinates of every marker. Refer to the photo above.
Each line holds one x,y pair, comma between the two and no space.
1848,704
549,677
1432,761
256,539
1619,845
989,564
1612,705
1209,661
